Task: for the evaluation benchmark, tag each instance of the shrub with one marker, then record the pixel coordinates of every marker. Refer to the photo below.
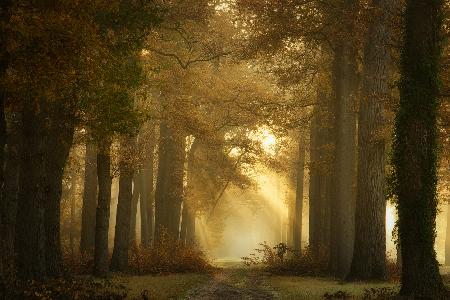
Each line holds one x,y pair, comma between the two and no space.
168,255
78,263
282,260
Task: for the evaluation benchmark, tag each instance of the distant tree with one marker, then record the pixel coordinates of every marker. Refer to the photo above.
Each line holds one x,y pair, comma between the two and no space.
119,260
101,253
298,207
89,199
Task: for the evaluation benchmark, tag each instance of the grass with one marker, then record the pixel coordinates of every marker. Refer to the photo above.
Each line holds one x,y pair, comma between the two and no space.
293,287
174,286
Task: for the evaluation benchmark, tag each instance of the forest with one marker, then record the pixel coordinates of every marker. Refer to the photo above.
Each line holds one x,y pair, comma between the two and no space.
224,149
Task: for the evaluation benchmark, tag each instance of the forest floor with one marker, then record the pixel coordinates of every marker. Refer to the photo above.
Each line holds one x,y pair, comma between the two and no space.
235,281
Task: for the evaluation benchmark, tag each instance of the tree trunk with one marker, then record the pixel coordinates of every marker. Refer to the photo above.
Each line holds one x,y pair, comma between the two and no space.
147,197
415,148
10,190
314,185
101,255
87,240
7,207
42,165
169,187
58,147
298,211
345,88
143,202
134,203
369,257
72,231
319,199
187,234
119,260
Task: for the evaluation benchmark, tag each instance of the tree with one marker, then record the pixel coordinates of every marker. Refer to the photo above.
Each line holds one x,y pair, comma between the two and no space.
119,261
89,199
369,256
101,255
345,82
415,148
298,207
169,185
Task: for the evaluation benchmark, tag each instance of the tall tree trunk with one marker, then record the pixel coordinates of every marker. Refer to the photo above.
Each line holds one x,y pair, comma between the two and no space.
345,88
169,187
298,211
43,159
7,212
119,260
143,202
72,230
134,204
101,256
415,148
187,234
320,200
369,257
314,184
87,240
147,196
58,147
30,234
10,190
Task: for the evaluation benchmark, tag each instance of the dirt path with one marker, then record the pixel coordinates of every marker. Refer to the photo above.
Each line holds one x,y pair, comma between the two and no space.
235,283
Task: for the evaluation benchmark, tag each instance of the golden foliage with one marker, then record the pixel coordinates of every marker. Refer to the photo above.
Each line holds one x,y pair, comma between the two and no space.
168,255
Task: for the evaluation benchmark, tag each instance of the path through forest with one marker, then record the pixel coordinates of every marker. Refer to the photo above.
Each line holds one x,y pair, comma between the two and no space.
235,283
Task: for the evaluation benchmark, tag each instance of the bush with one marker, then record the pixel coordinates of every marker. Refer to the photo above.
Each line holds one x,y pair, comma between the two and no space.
282,260
63,289
168,255
78,263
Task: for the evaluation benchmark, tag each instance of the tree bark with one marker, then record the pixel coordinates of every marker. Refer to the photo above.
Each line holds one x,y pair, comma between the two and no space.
10,190
187,234
144,202
298,211
119,260
57,151
345,88
169,187
134,204
87,240
30,234
43,159
72,231
314,185
369,257
147,196
7,266
415,148
101,255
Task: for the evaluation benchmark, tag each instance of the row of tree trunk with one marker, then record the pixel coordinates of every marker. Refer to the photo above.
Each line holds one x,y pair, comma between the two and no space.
347,200
167,214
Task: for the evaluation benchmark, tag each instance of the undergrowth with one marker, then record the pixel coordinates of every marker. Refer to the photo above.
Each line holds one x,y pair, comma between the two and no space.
282,260
167,255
